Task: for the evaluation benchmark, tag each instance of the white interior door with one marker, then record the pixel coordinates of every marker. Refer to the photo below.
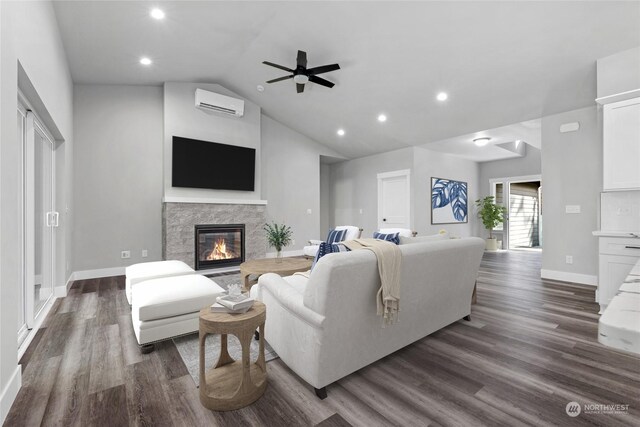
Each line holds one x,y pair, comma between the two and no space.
40,218
394,199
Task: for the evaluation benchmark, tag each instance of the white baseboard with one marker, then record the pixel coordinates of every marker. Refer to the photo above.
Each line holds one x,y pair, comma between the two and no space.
10,392
298,252
564,276
93,274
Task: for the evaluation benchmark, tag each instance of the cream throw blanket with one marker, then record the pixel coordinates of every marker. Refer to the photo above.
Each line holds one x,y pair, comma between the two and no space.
389,262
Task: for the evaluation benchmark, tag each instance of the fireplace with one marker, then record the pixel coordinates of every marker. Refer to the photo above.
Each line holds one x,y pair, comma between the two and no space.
219,245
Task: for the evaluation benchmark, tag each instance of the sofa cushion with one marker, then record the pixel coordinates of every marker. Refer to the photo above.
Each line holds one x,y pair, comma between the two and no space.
173,296
353,232
297,282
421,239
389,237
153,270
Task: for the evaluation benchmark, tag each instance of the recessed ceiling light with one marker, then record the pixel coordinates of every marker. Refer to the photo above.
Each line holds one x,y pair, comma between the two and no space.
145,61
341,132
260,88
442,96
157,13
481,142
382,118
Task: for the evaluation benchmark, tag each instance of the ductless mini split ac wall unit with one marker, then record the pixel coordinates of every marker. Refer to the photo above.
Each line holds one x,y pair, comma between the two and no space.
212,101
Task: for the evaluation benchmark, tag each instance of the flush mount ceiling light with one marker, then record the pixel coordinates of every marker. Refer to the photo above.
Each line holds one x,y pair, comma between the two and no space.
157,14
442,96
145,61
340,132
481,142
382,118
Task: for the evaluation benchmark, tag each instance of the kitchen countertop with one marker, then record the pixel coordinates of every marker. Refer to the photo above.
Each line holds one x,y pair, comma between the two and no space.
604,233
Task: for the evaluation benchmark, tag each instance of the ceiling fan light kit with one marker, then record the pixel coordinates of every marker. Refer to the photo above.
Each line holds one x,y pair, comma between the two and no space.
303,75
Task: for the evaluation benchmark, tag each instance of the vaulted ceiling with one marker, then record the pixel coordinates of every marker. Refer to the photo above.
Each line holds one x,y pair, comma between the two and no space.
500,62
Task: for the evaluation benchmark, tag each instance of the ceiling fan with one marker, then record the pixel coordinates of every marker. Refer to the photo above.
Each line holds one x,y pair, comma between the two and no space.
302,74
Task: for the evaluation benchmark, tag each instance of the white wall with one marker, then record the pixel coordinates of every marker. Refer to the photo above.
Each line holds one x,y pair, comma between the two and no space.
28,36
291,180
427,164
530,164
619,72
572,173
182,118
118,175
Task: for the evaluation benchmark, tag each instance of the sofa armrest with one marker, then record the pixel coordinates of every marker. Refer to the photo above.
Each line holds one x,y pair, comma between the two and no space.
289,298
315,242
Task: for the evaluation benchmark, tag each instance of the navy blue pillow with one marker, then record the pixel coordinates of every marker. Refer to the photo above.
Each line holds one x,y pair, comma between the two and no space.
391,237
336,236
326,248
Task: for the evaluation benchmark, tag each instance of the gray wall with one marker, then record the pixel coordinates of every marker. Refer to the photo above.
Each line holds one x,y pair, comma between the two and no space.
182,118
41,55
291,180
325,198
354,186
572,171
118,175
427,164
531,164
619,73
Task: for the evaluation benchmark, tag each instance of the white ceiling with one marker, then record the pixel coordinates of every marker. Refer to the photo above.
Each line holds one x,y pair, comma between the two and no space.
499,147
500,62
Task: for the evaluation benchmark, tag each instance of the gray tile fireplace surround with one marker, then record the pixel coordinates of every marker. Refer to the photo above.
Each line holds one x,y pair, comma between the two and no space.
179,221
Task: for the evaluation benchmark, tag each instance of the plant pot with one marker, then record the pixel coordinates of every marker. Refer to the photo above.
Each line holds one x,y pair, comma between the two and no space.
492,244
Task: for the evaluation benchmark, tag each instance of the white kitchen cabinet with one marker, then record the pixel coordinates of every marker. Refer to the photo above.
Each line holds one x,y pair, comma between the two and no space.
617,257
621,154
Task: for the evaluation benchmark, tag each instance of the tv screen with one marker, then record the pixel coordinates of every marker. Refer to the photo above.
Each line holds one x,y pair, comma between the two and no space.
203,164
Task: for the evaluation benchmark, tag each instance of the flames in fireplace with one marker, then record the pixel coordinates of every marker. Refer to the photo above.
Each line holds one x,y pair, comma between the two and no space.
220,251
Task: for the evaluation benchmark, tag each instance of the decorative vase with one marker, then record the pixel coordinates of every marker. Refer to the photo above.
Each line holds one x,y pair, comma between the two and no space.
492,244
278,255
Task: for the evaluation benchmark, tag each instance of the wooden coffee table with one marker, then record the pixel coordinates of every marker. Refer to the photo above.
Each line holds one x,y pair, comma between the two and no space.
233,384
281,266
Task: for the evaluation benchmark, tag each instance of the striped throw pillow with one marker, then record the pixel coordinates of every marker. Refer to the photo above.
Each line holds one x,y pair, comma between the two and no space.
336,236
326,248
390,237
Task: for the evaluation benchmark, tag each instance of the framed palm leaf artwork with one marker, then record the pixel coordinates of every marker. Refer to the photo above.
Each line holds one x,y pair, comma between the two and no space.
449,203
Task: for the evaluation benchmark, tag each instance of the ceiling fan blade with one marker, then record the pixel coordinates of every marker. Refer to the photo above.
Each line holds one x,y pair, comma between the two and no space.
299,87
321,81
277,66
302,59
280,79
323,69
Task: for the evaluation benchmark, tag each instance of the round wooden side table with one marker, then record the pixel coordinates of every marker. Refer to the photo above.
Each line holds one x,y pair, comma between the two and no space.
233,384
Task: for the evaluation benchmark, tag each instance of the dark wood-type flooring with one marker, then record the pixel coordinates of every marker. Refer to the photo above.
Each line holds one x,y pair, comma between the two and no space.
529,350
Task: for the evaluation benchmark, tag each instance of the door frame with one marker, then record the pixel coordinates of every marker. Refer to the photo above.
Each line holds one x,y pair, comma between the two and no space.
506,185
33,122
394,174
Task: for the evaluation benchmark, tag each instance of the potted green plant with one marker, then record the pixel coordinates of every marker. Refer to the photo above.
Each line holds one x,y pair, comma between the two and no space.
491,215
278,236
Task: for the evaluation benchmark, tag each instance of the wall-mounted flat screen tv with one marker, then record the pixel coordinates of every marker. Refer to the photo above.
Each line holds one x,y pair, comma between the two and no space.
203,164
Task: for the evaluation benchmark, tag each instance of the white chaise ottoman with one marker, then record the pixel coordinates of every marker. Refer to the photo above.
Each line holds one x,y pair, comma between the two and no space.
137,273
170,306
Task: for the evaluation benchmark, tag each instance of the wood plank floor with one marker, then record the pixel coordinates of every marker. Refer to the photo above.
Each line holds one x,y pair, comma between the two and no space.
529,350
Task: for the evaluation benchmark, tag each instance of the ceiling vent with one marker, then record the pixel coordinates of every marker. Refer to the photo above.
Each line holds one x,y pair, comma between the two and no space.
212,101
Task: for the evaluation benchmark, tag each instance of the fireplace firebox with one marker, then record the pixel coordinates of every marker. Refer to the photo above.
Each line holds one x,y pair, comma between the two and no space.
219,245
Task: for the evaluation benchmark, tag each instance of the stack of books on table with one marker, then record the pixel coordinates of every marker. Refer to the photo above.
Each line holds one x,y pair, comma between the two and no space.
232,304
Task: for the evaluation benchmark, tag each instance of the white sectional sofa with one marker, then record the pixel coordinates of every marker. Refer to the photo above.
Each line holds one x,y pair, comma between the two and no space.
325,327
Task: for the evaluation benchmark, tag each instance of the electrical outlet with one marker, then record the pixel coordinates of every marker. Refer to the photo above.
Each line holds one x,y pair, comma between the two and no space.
125,254
145,253
569,259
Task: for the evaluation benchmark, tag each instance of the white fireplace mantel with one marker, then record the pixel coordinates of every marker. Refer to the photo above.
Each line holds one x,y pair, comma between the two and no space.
173,199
